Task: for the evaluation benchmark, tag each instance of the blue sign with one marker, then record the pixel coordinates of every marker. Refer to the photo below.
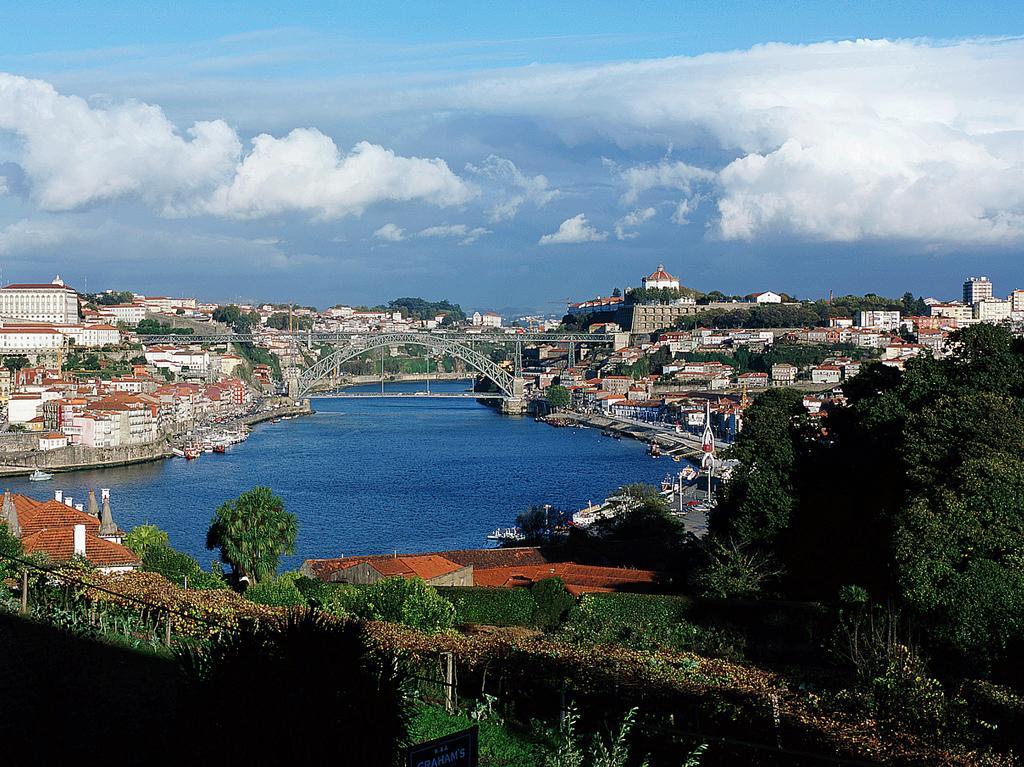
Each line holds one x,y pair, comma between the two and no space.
456,750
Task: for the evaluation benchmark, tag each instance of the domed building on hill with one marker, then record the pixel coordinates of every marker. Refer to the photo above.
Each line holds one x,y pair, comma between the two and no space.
660,279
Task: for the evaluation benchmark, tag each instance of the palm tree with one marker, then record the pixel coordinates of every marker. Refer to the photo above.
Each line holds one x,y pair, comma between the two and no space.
252,532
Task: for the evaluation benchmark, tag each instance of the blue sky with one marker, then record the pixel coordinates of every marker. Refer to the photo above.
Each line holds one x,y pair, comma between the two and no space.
511,156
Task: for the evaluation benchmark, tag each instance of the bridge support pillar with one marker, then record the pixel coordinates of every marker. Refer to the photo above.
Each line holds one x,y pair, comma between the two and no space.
513,406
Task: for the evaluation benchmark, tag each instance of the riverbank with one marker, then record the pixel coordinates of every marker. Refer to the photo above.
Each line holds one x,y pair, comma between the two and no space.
80,458
683,445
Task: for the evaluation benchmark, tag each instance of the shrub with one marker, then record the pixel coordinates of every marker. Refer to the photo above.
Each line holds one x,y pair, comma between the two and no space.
176,566
276,592
639,621
499,745
396,600
315,591
553,602
491,606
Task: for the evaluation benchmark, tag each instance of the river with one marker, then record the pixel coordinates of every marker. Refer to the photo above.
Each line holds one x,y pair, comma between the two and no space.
376,475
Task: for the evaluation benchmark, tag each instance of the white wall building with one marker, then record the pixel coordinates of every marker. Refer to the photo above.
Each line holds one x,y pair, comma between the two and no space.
129,314
766,297
659,278
992,310
55,302
883,320
977,289
38,340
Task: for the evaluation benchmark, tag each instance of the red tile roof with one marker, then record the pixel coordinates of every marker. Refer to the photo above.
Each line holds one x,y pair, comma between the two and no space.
59,545
578,578
425,566
34,516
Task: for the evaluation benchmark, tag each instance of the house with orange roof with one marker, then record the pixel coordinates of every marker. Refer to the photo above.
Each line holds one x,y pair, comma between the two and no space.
435,569
62,530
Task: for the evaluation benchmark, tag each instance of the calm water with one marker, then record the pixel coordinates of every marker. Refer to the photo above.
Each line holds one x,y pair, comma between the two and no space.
376,475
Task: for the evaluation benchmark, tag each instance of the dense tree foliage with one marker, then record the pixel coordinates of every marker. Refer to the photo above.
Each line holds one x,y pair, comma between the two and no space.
240,322
800,315
284,321
658,295
557,397
15,362
914,491
421,309
252,532
745,360
142,537
155,327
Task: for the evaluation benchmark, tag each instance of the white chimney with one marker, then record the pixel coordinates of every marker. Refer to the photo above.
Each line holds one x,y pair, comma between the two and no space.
79,507
104,494
58,496
80,540
68,501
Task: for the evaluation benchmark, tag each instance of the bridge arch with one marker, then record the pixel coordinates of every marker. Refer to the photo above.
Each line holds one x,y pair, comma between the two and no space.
325,367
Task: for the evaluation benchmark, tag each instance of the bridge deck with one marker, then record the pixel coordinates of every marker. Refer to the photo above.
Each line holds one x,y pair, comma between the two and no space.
406,395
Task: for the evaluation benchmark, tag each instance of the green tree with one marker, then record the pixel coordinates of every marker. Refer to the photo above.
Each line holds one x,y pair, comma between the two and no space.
252,532
15,362
557,397
761,496
9,547
179,568
553,602
640,531
410,602
142,537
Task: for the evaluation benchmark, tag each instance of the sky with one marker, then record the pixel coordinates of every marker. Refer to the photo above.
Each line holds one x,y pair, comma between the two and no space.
510,156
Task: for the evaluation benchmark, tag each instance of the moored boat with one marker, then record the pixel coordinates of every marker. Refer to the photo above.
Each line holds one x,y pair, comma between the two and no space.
39,476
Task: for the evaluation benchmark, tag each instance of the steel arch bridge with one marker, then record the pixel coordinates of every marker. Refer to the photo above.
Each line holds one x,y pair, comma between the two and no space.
509,385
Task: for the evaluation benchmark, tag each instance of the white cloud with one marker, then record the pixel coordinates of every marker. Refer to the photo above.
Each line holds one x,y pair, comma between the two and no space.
76,154
663,175
467,235
390,232
304,171
831,141
574,230
517,188
632,220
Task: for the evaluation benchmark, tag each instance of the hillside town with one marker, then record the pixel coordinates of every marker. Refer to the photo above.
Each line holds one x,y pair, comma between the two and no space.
79,370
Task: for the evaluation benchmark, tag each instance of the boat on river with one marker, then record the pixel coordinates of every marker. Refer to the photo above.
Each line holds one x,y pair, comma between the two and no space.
39,476
503,534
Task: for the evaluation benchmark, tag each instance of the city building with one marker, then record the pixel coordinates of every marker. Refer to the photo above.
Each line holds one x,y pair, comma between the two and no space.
992,310
766,297
826,374
883,320
53,302
1017,301
783,373
957,312
977,289
659,278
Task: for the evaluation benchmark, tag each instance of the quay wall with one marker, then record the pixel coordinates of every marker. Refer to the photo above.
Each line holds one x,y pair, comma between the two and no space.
74,457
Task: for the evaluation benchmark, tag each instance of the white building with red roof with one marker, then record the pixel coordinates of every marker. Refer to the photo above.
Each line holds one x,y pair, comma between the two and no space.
61,530
659,278
40,302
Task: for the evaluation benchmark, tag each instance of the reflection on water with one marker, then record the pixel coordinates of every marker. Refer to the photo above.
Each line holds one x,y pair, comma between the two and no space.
376,475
